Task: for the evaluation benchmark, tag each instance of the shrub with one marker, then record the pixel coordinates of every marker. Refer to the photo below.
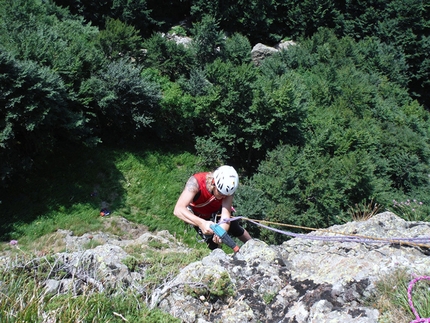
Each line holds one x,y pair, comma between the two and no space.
119,40
120,99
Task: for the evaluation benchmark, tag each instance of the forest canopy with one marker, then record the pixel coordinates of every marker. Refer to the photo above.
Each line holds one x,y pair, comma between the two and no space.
339,119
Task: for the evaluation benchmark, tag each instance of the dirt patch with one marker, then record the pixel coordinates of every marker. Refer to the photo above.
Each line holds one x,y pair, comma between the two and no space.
123,228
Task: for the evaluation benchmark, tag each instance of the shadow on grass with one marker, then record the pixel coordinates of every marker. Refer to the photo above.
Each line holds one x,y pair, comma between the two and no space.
77,182
75,175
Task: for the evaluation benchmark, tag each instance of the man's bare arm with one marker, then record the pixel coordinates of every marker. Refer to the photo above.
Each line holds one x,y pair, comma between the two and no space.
181,211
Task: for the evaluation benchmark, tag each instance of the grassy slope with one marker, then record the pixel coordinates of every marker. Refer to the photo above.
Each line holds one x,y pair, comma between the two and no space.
68,190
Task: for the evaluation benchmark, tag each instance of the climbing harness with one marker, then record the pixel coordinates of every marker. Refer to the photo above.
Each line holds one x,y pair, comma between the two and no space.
418,319
199,234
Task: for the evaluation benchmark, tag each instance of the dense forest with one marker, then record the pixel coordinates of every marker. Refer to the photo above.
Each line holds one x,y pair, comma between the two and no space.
340,119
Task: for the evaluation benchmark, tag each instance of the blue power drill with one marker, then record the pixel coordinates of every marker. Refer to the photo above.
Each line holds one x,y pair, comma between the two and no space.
220,232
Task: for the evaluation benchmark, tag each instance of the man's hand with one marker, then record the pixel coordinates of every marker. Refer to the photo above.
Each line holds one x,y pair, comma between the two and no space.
220,232
206,227
217,239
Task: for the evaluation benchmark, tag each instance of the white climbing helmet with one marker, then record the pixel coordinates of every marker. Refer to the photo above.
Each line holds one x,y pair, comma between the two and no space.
226,180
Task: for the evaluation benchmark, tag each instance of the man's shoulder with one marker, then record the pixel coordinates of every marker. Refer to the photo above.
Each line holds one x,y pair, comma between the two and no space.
200,175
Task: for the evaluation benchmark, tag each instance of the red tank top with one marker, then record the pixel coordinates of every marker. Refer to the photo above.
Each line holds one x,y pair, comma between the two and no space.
206,203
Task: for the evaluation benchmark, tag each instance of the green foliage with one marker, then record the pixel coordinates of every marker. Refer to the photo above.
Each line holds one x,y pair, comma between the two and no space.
208,41
134,13
67,46
121,99
348,150
310,189
54,53
238,49
398,24
210,152
33,99
278,110
232,86
178,30
383,58
269,111
197,84
303,18
119,39
131,12
171,59
403,25
175,119
253,19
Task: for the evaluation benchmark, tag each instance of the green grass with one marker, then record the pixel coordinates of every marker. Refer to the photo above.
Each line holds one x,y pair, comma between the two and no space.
68,190
23,300
391,298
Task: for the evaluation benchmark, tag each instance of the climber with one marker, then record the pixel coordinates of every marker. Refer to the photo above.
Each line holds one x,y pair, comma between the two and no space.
207,199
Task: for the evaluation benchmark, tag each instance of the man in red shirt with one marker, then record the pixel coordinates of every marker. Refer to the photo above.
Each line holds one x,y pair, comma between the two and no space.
208,194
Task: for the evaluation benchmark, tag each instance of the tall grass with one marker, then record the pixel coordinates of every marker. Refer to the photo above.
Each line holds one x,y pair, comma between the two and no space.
23,299
391,298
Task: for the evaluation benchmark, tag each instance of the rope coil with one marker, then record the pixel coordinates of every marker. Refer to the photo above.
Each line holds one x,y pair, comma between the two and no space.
418,319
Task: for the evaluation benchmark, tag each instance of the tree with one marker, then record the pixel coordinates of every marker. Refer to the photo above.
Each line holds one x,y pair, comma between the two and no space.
132,12
171,59
119,39
119,100
33,109
208,41
63,43
238,49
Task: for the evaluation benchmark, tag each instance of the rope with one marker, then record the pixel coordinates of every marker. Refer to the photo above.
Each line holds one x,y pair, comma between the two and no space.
418,319
423,242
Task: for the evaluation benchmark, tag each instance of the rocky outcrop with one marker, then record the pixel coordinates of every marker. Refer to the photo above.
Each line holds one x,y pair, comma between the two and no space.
260,51
178,39
302,280
306,279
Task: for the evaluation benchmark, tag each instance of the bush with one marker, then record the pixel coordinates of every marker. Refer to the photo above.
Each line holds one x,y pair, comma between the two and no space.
34,108
210,153
208,41
120,100
170,59
119,40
